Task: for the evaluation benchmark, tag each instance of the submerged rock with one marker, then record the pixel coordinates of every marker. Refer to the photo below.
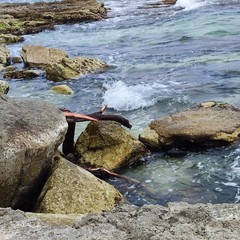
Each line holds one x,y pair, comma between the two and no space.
106,144
31,131
69,68
40,57
62,89
208,124
18,74
175,221
71,189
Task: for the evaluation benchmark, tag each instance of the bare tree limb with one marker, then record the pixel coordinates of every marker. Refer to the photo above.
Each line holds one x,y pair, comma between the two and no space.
72,118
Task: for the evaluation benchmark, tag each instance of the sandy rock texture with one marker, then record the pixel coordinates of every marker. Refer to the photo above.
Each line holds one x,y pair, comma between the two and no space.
71,189
208,124
176,221
40,57
69,68
4,87
4,55
107,144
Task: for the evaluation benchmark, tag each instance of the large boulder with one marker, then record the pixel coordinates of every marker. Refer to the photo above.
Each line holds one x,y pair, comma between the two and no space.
69,68
71,189
40,57
30,132
208,124
106,144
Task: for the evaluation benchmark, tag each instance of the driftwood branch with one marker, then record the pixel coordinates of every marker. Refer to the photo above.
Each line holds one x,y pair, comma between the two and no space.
72,118
96,116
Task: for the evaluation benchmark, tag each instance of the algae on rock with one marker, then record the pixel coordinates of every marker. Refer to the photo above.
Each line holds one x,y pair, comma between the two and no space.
106,144
71,189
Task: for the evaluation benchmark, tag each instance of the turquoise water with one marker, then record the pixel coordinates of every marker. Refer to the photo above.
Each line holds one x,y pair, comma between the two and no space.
162,60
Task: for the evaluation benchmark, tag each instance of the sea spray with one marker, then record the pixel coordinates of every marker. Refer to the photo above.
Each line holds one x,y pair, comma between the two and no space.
121,97
191,4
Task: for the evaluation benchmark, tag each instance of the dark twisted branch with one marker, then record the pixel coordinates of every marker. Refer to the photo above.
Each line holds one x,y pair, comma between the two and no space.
72,118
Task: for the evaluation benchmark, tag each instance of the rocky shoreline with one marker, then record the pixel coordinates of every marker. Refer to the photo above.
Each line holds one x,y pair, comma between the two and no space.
176,221
24,18
68,201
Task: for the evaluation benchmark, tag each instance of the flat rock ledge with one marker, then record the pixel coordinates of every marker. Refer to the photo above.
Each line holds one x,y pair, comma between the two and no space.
152,222
208,124
25,18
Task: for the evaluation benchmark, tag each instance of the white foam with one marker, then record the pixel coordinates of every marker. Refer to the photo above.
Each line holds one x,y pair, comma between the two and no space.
191,4
121,97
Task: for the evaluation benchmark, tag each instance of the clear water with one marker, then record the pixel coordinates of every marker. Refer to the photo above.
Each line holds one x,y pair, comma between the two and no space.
163,60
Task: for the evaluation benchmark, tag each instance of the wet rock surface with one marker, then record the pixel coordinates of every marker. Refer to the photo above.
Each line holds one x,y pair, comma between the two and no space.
106,144
10,38
208,124
62,89
18,74
176,221
25,18
69,68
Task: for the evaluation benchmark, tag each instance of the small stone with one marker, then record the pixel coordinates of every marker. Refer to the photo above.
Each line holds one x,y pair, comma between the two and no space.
208,104
16,60
62,89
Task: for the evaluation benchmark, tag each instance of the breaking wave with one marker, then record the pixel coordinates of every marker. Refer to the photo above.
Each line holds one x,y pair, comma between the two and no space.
121,97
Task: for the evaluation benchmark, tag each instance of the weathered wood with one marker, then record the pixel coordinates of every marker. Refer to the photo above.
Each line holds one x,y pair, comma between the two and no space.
72,118
68,143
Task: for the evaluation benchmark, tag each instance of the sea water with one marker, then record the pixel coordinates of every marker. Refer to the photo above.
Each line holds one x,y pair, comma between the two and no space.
162,60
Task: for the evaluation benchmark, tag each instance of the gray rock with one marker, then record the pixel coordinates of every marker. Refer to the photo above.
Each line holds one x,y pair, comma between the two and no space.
176,221
30,132
208,124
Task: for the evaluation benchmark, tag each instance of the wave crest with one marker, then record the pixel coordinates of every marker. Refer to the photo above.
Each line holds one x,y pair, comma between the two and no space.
121,97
